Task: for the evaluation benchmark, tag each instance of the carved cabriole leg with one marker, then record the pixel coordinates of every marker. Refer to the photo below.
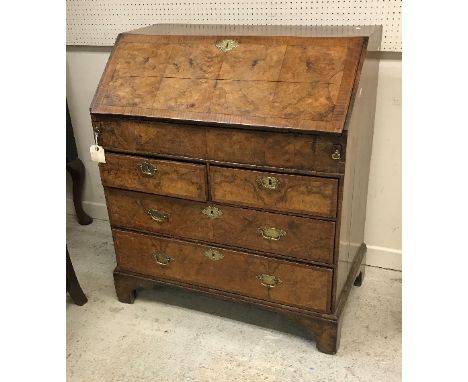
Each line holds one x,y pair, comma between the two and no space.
127,285
73,286
76,170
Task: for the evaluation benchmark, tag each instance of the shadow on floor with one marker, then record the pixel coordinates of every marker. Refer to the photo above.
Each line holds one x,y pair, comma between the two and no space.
236,311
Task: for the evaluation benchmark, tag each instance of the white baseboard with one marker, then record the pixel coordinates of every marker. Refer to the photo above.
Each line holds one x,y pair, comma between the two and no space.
383,257
95,210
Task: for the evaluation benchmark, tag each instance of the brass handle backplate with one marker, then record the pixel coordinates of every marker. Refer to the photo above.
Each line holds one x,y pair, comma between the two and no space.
227,45
147,169
269,281
212,212
213,254
158,216
271,233
269,182
162,259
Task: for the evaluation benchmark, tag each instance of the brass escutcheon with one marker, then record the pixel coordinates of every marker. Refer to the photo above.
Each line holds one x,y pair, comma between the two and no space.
269,182
158,216
269,281
162,259
227,45
212,212
271,233
213,254
147,168
336,155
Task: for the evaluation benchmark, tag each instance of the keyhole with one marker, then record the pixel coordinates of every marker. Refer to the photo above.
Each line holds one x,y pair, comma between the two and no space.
269,182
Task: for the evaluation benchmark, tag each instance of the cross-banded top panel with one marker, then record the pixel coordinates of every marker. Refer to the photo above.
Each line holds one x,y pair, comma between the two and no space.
286,82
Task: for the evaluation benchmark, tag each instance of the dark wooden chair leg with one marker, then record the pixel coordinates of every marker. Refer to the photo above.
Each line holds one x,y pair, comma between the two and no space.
77,171
73,286
360,277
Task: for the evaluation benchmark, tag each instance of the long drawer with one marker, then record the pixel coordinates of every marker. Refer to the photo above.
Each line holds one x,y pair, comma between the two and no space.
279,192
297,237
268,279
184,180
261,148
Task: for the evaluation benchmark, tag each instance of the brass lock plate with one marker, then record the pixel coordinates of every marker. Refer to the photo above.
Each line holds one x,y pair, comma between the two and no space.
269,182
227,45
147,169
213,255
212,212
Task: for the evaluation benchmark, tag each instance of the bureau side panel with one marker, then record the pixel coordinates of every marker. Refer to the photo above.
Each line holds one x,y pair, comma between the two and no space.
355,184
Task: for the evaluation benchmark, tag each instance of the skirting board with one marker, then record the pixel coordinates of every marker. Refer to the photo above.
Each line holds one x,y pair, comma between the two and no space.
95,210
381,257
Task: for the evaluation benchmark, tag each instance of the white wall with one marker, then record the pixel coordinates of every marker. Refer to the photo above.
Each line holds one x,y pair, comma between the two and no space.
383,221
383,226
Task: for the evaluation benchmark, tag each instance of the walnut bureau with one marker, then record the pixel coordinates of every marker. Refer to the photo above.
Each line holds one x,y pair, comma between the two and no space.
237,163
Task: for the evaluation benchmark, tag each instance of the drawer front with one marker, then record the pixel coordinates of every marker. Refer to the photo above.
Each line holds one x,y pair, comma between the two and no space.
183,180
279,192
153,138
260,148
302,238
298,285
302,152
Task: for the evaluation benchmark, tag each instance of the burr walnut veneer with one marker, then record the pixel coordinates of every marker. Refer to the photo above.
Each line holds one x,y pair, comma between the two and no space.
237,162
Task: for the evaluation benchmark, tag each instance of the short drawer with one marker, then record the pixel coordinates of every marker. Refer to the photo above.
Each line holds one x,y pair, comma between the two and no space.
273,280
291,236
280,150
144,137
279,192
183,180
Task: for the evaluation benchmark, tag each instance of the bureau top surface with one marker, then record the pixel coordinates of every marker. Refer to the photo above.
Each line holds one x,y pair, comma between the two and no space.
301,83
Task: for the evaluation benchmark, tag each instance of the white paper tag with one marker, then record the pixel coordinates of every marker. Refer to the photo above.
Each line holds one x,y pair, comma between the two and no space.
97,154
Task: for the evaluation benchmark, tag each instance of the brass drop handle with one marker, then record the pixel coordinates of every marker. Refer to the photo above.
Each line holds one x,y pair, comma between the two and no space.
147,169
269,182
158,216
269,281
162,259
336,155
271,233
